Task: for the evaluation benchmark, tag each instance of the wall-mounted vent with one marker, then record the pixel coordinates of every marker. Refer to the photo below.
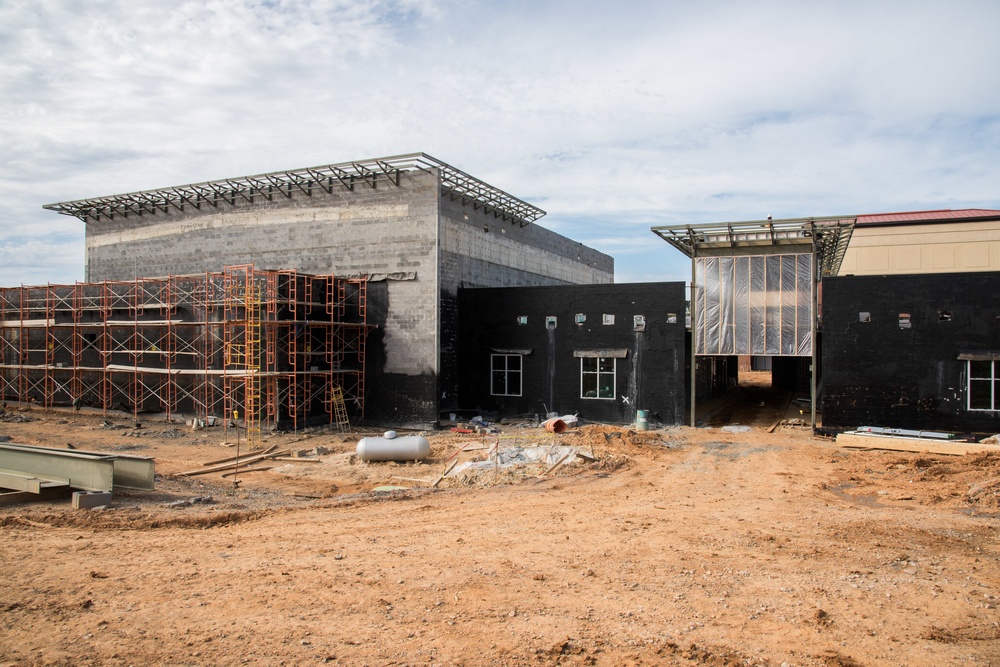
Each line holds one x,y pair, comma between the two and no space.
944,316
904,321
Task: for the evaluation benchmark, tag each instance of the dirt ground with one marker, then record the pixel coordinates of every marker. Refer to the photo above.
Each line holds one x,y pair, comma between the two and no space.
678,546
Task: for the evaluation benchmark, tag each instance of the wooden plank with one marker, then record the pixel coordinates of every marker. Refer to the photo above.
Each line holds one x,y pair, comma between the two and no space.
233,458
241,471
853,440
226,466
557,463
444,474
421,480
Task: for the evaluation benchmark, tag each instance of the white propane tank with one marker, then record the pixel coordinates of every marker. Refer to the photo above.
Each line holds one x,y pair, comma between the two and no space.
406,448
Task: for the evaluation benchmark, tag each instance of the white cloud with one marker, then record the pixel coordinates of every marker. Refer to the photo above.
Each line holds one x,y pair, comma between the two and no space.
612,118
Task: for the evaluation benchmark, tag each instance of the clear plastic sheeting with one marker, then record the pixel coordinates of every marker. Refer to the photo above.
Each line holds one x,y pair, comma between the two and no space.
754,305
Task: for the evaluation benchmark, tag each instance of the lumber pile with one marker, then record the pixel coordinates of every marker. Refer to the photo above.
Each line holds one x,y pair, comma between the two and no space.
854,440
234,462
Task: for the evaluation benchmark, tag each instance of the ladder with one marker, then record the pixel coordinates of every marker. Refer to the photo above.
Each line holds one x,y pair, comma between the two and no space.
340,417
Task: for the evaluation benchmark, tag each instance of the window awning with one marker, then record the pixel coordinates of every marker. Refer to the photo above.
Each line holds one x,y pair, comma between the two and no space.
982,355
605,353
499,350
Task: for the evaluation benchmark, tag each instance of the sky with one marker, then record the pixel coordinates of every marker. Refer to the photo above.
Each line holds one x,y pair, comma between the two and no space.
612,117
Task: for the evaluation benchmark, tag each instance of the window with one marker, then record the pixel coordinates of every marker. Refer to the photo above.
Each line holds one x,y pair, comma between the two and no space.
984,385
608,319
522,320
506,375
580,318
597,377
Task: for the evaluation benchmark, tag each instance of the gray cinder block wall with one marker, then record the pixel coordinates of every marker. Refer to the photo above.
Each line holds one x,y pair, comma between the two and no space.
417,242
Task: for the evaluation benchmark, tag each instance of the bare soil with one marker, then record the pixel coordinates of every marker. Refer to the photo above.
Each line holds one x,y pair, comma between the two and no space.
679,546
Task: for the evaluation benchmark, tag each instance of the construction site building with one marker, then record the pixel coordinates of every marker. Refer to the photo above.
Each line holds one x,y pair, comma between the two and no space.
415,229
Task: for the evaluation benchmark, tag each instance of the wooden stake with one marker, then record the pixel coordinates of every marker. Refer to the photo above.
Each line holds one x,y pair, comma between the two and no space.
444,474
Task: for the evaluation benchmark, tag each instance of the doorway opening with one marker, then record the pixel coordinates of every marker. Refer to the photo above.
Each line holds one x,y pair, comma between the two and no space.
755,371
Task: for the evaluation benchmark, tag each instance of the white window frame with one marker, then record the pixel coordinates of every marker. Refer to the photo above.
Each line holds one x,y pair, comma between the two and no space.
993,381
507,373
598,373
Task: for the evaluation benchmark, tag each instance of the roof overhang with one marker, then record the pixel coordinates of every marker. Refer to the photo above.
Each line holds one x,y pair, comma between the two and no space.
826,237
457,184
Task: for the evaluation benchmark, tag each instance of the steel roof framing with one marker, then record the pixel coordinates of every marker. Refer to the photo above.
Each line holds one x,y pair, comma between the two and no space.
829,236
457,184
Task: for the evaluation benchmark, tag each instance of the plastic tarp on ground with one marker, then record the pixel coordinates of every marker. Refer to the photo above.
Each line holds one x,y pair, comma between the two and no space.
754,305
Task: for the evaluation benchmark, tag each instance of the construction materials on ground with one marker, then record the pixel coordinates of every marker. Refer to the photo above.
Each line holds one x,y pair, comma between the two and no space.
235,463
88,500
904,433
405,448
77,469
444,474
275,346
867,440
555,425
641,420
558,463
230,459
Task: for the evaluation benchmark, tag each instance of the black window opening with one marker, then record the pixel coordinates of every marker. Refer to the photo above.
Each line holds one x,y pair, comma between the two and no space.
597,378
506,374
984,385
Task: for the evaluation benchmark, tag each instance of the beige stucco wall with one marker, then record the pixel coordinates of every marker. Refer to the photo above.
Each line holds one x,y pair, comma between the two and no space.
934,248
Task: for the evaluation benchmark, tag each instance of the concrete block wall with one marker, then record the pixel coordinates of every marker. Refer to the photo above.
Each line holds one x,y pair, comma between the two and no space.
480,250
386,229
407,229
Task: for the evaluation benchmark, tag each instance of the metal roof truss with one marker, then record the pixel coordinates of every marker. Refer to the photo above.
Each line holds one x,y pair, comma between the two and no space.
458,185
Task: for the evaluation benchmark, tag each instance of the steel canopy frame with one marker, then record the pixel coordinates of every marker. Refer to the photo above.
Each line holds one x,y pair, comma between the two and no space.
282,184
826,238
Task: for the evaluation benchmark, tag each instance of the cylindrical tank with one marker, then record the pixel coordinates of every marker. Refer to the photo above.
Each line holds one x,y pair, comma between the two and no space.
641,421
406,448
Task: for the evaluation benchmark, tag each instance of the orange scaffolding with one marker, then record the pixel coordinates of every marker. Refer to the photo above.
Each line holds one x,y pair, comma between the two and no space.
278,347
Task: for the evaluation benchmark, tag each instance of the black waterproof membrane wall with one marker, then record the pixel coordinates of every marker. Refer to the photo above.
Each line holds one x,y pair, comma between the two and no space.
912,351
600,351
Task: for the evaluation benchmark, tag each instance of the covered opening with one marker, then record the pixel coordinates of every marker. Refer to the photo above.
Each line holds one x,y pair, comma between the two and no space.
754,295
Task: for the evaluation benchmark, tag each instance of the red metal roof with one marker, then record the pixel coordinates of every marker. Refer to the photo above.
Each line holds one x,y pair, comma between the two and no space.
945,215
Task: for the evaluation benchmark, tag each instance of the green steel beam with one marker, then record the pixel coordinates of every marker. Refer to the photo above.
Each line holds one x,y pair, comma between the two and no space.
88,471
